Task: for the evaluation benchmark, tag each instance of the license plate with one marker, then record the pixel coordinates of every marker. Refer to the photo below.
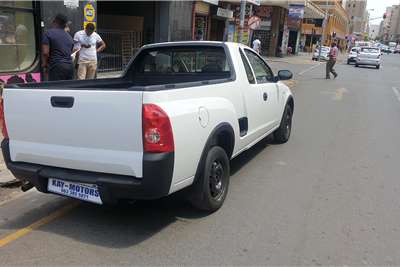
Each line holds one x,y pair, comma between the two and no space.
86,192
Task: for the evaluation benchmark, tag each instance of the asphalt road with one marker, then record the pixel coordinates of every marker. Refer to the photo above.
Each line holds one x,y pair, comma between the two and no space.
330,196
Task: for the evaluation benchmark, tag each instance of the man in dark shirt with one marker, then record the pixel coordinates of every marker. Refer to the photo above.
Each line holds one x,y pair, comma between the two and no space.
57,47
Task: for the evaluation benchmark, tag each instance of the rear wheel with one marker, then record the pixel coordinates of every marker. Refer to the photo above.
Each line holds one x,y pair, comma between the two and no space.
348,62
282,134
211,186
356,65
378,66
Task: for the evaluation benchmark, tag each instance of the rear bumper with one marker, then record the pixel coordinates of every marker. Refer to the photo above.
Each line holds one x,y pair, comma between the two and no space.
156,181
368,62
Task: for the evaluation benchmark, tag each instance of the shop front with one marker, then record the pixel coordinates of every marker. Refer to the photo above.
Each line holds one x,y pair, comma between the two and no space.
201,19
263,32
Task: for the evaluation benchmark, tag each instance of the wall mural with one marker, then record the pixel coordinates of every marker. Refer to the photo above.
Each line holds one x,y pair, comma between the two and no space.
20,78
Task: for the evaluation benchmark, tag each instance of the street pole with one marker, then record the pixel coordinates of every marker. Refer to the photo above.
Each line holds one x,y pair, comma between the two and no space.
324,23
242,14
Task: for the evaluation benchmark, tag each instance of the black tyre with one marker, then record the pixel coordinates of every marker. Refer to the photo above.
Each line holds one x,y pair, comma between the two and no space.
356,65
378,66
282,134
211,186
348,62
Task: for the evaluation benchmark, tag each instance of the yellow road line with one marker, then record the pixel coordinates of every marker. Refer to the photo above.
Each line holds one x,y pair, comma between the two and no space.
45,220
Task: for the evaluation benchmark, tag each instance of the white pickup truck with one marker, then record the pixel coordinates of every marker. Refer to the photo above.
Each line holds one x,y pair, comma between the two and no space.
173,120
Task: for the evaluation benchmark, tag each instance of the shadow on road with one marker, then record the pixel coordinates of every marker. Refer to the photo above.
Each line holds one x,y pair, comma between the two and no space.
127,224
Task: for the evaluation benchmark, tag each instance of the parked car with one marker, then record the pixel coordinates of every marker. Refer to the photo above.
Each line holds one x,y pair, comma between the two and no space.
369,56
397,50
353,55
174,120
324,53
385,49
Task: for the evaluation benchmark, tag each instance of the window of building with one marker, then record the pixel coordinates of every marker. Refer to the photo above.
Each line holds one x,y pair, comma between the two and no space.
17,36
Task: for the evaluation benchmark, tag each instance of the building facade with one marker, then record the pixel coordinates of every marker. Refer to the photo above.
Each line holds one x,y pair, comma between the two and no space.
335,27
358,16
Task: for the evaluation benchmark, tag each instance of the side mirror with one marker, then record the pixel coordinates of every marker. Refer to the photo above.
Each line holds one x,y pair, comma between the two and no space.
285,75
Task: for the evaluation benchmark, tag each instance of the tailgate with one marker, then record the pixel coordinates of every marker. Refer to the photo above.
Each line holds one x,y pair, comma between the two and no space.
92,130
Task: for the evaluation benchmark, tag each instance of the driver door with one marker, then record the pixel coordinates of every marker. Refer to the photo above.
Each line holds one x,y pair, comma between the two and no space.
268,92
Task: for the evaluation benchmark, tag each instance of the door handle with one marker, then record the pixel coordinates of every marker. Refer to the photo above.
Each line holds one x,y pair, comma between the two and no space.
265,96
62,101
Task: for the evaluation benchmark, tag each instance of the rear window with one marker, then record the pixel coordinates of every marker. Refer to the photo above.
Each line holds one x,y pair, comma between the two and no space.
370,50
183,60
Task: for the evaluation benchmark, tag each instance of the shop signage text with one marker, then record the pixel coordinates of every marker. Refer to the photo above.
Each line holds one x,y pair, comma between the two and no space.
224,13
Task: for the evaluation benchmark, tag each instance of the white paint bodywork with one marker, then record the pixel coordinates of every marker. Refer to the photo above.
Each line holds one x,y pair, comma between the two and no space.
103,130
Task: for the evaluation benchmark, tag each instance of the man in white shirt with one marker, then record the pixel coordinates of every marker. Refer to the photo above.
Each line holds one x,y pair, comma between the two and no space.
89,43
257,45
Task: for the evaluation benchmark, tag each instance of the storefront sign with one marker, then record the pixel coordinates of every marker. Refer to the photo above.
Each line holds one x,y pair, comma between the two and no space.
212,2
202,8
295,16
265,25
89,13
71,3
224,13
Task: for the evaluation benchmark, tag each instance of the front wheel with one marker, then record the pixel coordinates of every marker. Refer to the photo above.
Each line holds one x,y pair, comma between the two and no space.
356,65
282,134
211,185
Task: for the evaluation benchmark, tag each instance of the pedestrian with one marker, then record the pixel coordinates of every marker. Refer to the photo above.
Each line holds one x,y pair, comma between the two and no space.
331,62
57,47
89,43
257,45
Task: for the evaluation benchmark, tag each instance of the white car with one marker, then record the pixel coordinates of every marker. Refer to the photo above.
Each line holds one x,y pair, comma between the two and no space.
324,53
174,120
353,55
369,56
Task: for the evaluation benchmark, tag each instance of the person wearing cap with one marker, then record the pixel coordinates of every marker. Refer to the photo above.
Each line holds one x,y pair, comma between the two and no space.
88,43
57,47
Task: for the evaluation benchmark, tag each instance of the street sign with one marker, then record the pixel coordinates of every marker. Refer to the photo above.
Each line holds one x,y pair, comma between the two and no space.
254,22
224,13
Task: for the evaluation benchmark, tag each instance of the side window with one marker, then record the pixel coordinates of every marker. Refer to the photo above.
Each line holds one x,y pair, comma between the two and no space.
17,36
262,72
249,73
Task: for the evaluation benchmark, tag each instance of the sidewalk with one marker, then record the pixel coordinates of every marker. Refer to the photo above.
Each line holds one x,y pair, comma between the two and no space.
301,58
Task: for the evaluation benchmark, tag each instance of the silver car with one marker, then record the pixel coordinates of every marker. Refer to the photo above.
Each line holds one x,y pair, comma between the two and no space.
353,55
369,56
324,53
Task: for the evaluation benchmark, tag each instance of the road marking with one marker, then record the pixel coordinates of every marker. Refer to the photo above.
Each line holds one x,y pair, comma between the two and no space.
310,68
45,220
396,92
339,94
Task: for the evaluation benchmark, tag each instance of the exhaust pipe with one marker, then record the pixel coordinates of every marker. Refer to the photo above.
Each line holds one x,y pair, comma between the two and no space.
26,186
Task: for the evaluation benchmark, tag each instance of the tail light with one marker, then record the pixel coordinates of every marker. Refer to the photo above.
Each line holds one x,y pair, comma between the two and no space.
157,130
3,119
